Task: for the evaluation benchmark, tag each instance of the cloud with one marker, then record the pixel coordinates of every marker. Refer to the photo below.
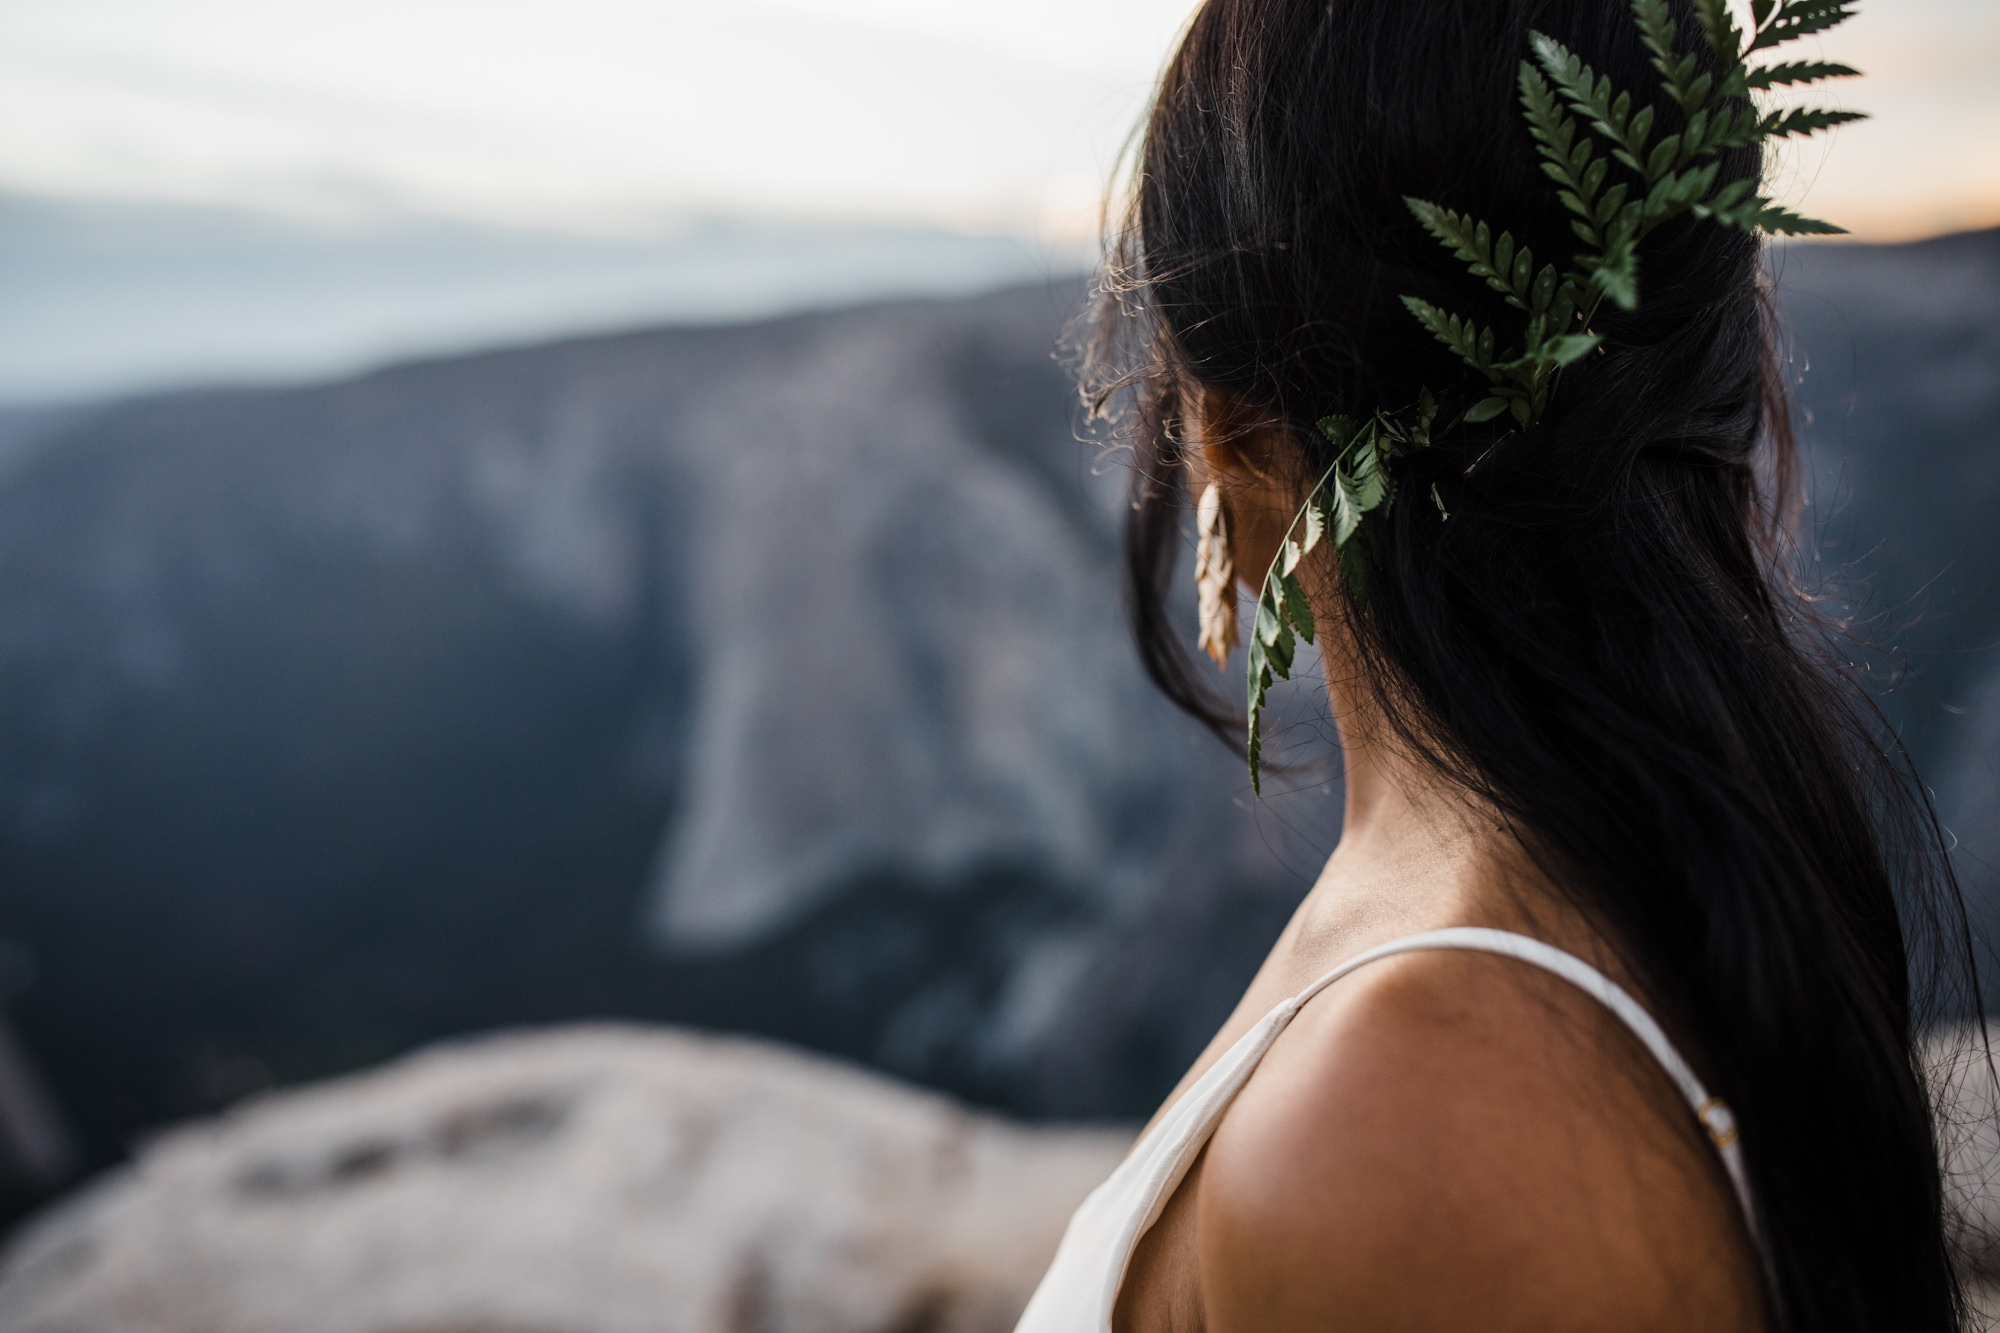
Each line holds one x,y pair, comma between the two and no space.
624,114
595,113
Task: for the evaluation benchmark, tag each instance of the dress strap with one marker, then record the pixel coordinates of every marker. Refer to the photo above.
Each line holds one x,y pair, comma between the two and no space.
1712,1112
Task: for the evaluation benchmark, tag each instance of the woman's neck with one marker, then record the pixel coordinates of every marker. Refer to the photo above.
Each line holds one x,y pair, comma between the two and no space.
1416,851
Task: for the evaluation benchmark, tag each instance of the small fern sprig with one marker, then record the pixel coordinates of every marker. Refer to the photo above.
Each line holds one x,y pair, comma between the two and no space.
1519,380
1343,507
1585,130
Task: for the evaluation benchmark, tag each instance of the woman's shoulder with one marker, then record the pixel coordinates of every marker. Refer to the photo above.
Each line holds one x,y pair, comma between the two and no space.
1449,1140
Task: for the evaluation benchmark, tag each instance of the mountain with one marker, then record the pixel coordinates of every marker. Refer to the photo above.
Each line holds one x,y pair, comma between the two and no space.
1895,355
767,677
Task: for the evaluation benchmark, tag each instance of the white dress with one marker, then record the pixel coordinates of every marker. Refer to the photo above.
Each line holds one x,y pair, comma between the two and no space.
1081,1286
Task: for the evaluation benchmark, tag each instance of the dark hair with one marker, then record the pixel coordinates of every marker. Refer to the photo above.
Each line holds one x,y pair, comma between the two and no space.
1603,639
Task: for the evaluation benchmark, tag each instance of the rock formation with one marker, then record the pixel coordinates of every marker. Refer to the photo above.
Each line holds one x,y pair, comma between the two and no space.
767,677
589,1180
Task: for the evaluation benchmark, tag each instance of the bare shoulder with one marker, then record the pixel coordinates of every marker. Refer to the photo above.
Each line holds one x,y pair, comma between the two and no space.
1449,1140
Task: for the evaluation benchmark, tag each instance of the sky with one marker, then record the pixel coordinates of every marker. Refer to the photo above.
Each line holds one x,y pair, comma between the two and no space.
201,191
627,116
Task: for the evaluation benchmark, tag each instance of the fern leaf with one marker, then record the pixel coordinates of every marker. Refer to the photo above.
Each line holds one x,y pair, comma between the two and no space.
1803,120
1365,480
1297,610
1700,93
1473,344
1656,30
1783,222
1665,156
1694,139
1341,516
1564,160
1338,430
1726,203
1799,71
1737,130
1260,683
1610,206
1608,113
1641,128
1273,630
1616,274
1567,301
1354,571
1573,347
1315,529
1724,37
1797,18
1472,243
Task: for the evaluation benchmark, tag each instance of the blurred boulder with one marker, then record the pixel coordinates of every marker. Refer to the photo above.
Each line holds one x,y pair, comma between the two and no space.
1966,1085
588,1180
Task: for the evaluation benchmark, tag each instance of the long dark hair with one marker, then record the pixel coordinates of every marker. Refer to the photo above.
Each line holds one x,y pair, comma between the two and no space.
1604,639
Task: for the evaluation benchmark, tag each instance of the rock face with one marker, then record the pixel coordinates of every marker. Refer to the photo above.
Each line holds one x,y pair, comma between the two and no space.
768,677
1896,356
592,1180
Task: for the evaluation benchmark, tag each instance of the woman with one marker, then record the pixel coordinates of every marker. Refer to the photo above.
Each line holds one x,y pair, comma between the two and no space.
1600,1015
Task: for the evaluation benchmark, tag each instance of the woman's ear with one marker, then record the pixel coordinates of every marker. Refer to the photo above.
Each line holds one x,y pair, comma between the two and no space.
1241,450
1231,442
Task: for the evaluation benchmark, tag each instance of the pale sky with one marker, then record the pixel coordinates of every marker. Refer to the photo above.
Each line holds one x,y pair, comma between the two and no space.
620,115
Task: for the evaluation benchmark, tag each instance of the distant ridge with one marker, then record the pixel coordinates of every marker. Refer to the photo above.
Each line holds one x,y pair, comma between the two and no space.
115,298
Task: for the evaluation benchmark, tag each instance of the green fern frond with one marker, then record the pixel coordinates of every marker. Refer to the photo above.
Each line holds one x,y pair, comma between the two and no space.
1497,262
1364,480
1608,111
1724,37
1356,489
1776,221
1656,30
1297,610
1564,160
1472,343
1798,18
1732,128
1798,72
1805,120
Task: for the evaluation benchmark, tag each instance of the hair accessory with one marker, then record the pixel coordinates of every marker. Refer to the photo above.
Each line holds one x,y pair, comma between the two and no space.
1357,485
1621,180
1215,576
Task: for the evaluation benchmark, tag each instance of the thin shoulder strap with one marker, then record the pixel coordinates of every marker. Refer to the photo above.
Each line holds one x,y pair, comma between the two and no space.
1714,1115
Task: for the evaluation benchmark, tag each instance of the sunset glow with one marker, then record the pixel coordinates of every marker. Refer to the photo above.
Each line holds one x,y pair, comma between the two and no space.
624,115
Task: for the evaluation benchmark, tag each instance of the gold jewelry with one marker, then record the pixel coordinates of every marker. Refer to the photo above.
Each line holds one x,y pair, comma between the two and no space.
1215,576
